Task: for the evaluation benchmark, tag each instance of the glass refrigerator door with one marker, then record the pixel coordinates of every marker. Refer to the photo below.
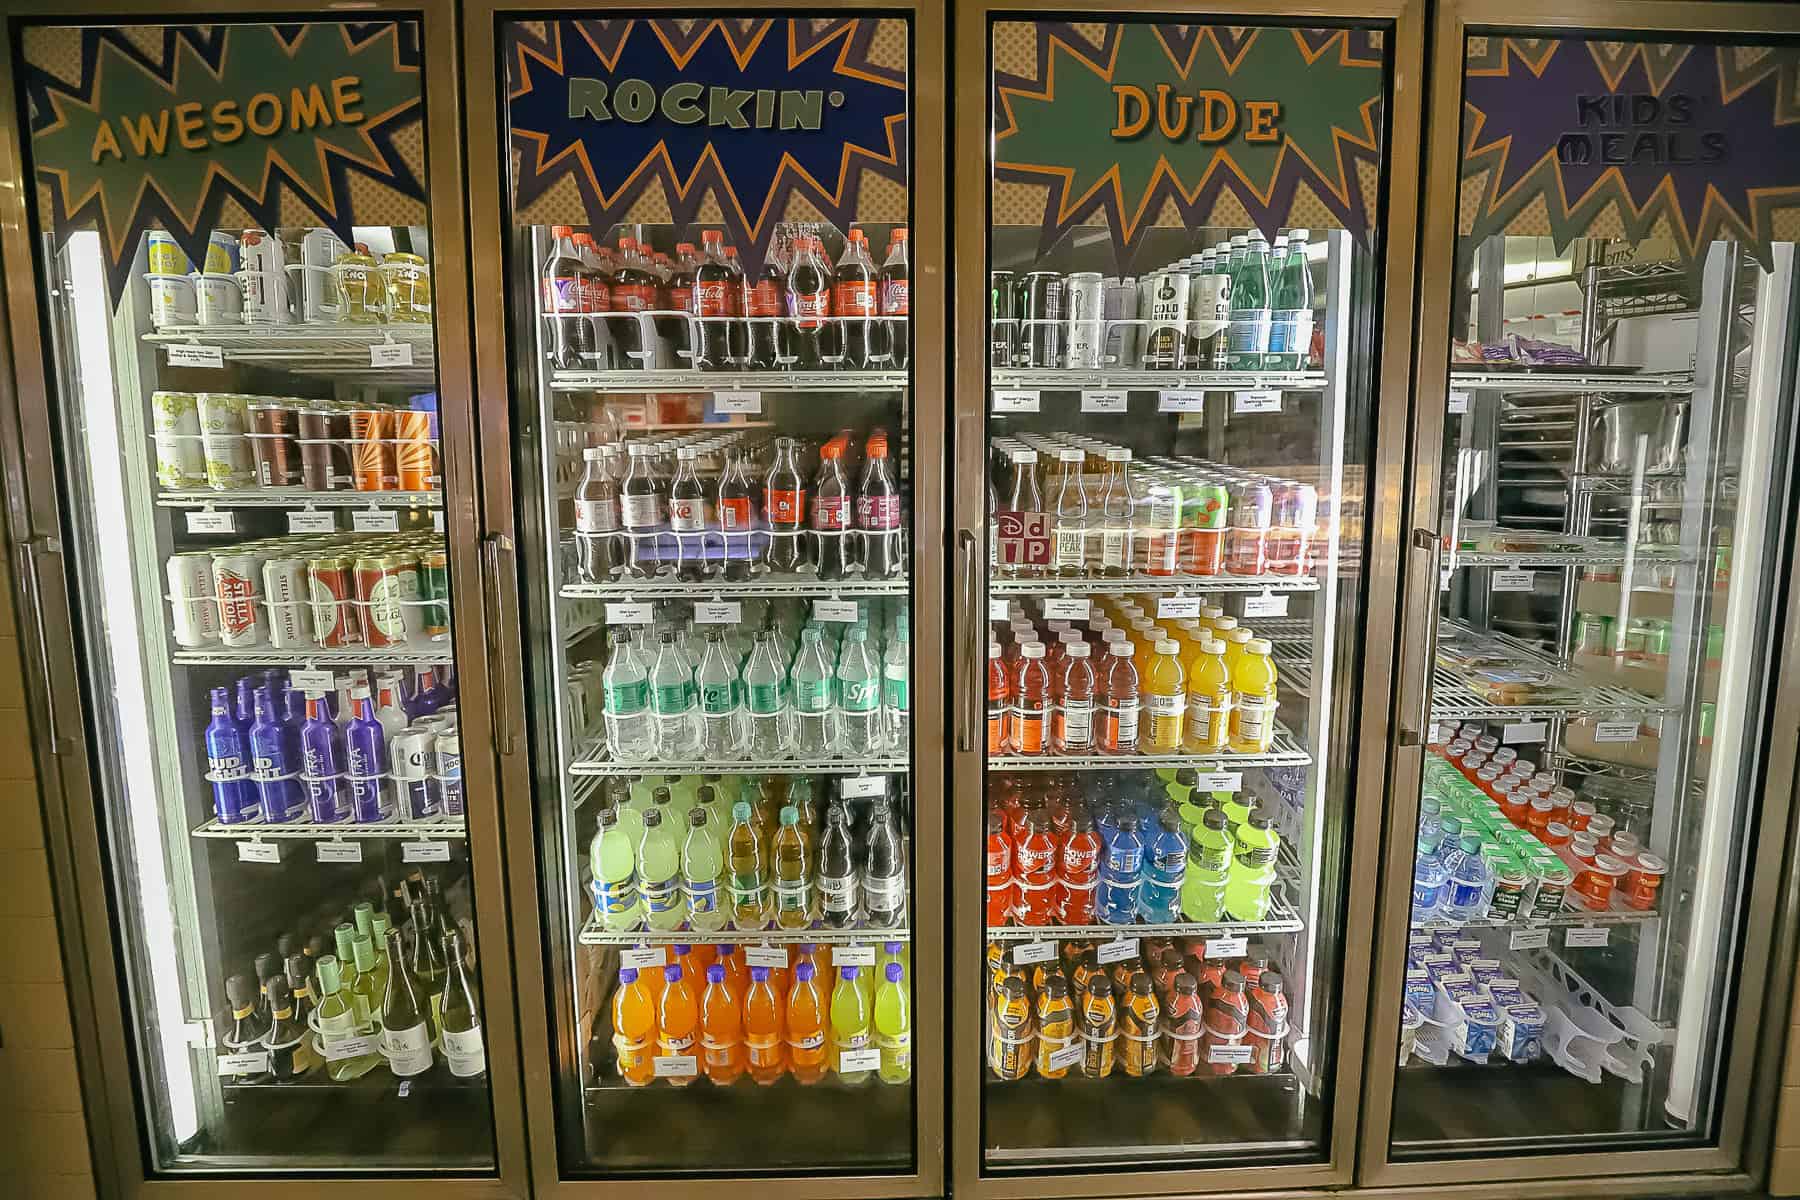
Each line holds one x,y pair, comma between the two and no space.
250,475
1582,954
718,453
1179,395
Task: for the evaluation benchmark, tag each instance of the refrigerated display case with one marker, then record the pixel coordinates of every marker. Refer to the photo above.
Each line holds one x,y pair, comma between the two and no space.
1177,361
237,442
1597,730
724,433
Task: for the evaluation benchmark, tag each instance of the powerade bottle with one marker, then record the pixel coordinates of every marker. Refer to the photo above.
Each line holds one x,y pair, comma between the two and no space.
1209,862
235,800
1121,871
1165,869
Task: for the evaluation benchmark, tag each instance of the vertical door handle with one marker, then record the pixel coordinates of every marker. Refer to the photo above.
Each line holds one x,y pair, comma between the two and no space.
32,552
498,583
973,623
1427,548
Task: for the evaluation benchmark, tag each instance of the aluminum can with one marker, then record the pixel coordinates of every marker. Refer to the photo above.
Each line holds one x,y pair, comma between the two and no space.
1209,319
273,445
180,457
1165,349
218,300
1123,340
449,773
366,764
434,589
412,757
221,253
405,567
1086,301
264,276
325,449
322,764
336,617
164,255
1003,319
194,598
237,580
372,449
1041,313
172,301
287,594
224,439
408,281
416,451
378,595
317,290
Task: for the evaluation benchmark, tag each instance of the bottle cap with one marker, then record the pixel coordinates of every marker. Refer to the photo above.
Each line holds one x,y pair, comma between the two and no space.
652,818
1121,649
682,950
1258,645
1032,650
1078,649
847,973
1211,646
993,649
240,991
1167,646
672,973
697,817
593,454
1213,818
790,815
804,972
895,971
715,974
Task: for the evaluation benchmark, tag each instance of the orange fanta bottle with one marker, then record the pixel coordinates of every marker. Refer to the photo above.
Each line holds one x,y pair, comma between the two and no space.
764,1028
678,1025
806,1027
721,1029
634,1028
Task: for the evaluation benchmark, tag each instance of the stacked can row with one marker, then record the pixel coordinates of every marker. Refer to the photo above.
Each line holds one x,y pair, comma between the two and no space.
230,441
289,277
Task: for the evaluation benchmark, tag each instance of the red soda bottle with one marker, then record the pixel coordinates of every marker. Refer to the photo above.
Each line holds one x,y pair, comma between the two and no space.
1034,861
808,304
713,285
1181,1026
1078,872
736,508
999,710
1268,1016
831,511
633,291
784,507
896,300
762,298
1002,892
856,299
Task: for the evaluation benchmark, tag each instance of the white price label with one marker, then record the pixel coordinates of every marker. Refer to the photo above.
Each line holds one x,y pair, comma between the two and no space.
1523,731
675,1066
1459,402
208,521
374,520
1068,1056
766,956
998,610
1026,953
854,786
1513,581
1175,607
1103,400
737,402
1268,604
1116,951
642,958
391,354
311,683
1585,936
1616,731
340,852
1262,400
859,1060
312,520
629,612
437,521
259,852
853,956
1226,947
1220,781
1529,939
1015,401
1180,401
405,1089
424,851
251,1062
835,610
191,355
718,612
1062,608
1241,1053
350,1047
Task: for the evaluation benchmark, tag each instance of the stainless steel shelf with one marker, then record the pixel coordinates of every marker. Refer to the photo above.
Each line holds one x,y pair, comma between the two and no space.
757,766
1569,695
267,656
1283,752
1293,666
593,935
332,350
710,381
340,831
296,499
1158,584
1054,379
660,589
1649,383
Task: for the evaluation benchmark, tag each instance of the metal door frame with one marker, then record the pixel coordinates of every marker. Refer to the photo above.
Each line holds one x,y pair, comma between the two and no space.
1740,1155
1388,422
43,594
490,214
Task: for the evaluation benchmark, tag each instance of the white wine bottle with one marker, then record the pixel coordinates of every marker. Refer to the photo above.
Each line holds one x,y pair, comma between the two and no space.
460,1011
348,1046
405,1016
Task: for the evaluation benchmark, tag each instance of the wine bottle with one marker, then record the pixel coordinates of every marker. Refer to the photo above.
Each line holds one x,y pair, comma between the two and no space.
247,1025
284,1038
368,989
300,981
342,1034
427,964
460,1015
405,1016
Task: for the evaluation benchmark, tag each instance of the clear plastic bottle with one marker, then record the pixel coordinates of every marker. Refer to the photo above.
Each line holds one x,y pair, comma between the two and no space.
812,687
766,699
839,882
702,862
1471,882
1430,882
597,555
659,873
672,700
626,687
721,700
858,697
884,868
896,689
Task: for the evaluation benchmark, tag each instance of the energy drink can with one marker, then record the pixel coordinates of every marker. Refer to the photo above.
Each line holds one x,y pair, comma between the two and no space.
1003,319
180,457
1041,313
194,599
415,453
1123,337
372,457
434,594
1086,302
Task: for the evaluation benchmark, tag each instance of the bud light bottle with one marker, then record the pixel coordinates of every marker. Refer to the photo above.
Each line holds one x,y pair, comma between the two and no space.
235,799
275,772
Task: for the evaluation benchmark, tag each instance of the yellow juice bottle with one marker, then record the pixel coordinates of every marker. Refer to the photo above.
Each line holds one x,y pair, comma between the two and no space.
1165,700
1235,641
1209,699
1253,699
1209,616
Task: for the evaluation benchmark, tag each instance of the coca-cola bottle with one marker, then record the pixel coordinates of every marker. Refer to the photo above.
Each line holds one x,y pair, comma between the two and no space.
633,291
784,507
763,308
856,300
597,301
832,510
896,299
597,554
738,342
564,295
679,298
878,512
640,509
713,284
737,515
809,304
687,515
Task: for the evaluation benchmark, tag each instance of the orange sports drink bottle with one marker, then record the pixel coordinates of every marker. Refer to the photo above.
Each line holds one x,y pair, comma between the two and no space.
721,1028
1010,1039
1268,1025
1031,702
678,1027
999,718
634,1028
1002,892
1139,1023
1099,1027
806,1026
764,1029
1119,702
1181,1026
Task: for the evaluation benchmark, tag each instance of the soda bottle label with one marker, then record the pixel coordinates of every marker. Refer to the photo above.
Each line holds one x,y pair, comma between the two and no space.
702,896
595,516
670,699
810,308
662,896
894,688
712,298
1113,543
765,698
838,893
640,512
808,1041
783,506
860,695
1075,718
634,297
856,298
627,699
793,896
885,894
812,695
878,512
734,514
687,516
616,897
896,296
681,297
1069,543
718,699
763,300
563,295
831,512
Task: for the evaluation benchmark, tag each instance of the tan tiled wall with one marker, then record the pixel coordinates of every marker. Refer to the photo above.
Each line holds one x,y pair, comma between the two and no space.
43,1136
1784,1164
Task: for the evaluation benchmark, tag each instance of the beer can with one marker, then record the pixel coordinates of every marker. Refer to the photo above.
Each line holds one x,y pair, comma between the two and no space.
288,596
1086,302
378,596
449,773
372,449
1041,314
175,424
171,301
316,293
434,589
1166,346
1003,318
237,581
325,449
1123,338
336,617
405,567
415,453
224,439
408,281
411,756
264,277
194,598
164,255
221,253
273,425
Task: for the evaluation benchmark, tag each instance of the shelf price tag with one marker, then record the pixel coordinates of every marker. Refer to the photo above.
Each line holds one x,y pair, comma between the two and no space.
1175,607
1529,939
424,851
1522,732
1220,781
374,520
340,852
1103,400
1459,402
190,355
391,354
737,402
350,1047
437,521
1064,608
853,956
643,957
1242,1052
1615,731
835,610
632,612
1026,953
1261,400
859,1060
209,521
312,520
1068,1056
1578,937
259,852
855,787
251,1062
1513,581
1180,400
311,683
679,1066
997,609
1116,951
766,956
1226,947
1268,604
1014,401
718,612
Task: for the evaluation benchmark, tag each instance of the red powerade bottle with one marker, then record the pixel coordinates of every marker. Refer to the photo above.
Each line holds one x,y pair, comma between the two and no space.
1034,866
1181,1026
1078,872
1002,891
1225,1023
1268,1025
999,708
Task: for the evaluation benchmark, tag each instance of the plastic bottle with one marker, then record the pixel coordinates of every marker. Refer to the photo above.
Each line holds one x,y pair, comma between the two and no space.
1034,858
1165,700
1140,1027
1252,868
765,1028
896,301
1024,497
1225,1021
1210,855
615,883
713,303
1099,1028
856,300
1058,1046
858,697
1118,732
634,1028
563,300
1068,558
1165,871
884,868
896,689
839,881
784,508
1031,702
659,873
1072,720
999,709
793,875
678,1028
721,700
766,700
1121,873
1208,699
701,865
893,1025
1181,1026
1470,884
1118,511
851,1026
1268,1021
806,1026
597,555
721,1028
833,512
1253,699
747,870
626,690
641,516
1002,887
1011,1031
672,702
812,689
1430,881
808,306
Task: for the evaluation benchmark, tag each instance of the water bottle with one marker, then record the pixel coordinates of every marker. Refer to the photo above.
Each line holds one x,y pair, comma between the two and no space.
627,701
1429,883
896,688
765,698
673,701
858,696
1431,826
1121,871
721,700
1470,881
811,688
1165,870
1449,833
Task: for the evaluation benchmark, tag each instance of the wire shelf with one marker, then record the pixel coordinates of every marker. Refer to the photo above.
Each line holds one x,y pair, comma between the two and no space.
877,765
1610,556
1056,379
592,934
1281,919
314,349
1157,584
1521,381
711,381
296,499
1618,915
306,656
1293,666
1284,751
707,589
1455,698
336,831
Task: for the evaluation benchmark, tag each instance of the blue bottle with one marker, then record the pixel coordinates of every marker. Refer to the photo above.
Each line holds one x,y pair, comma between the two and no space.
1121,871
246,700
274,759
228,765
1469,889
1430,882
426,698
1165,869
322,753
1106,820
366,757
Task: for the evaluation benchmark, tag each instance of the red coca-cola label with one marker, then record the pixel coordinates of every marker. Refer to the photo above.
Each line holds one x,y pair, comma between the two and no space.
831,512
563,295
712,298
687,516
682,296
734,514
634,297
763,300
811,308
878,512
596,297
784,507
896,297
856,298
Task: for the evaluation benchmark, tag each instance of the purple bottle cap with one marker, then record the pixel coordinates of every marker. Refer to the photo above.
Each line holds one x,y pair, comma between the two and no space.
627,974
847,972
803,971
726,948
759,974
893,947
672,973
893,972
715,974
809,947
683,950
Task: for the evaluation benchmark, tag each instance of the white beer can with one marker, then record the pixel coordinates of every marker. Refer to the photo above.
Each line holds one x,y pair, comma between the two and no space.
264,277
286,596
193,597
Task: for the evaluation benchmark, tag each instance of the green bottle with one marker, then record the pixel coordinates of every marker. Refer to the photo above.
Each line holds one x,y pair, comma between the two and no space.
365,999
1252,869
659,870
1249,336
701,866
1290,328
1210,855
893,1026
341,1032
